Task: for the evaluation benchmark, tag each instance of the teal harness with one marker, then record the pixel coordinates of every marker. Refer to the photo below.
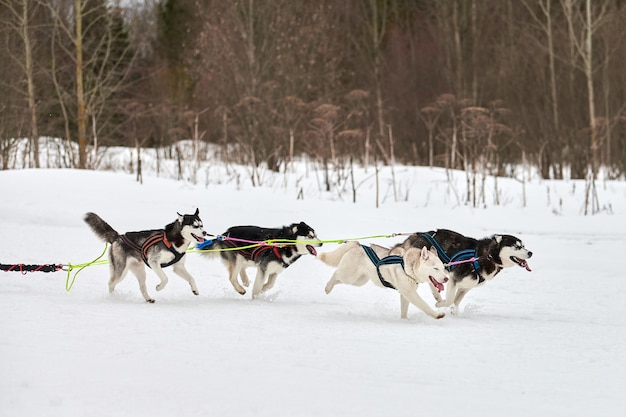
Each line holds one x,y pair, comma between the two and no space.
462,256
387,260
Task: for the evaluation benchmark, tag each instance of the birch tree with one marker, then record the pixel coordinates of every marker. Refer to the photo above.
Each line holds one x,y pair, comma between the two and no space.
91,36
20,21
583,21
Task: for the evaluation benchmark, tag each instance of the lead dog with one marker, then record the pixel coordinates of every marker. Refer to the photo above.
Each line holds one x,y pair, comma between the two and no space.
357,264
471,262
157,249
237,250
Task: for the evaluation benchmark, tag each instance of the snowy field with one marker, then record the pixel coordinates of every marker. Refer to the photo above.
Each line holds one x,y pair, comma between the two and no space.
546,343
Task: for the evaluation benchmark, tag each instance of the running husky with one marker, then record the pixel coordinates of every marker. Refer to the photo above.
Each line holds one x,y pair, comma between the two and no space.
357,264
269,259
157,248
471,262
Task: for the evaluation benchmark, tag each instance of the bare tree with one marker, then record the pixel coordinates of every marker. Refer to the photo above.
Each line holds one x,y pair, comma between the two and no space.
21,13
101,56
583,23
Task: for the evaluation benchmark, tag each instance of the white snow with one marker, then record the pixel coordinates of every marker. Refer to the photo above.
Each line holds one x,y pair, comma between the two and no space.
549,342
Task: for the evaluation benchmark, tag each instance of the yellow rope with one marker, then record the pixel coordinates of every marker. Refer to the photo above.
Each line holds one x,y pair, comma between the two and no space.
69,284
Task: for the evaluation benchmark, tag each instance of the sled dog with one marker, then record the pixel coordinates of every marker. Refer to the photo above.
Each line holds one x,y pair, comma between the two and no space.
357,264
236,248
471,262
157,249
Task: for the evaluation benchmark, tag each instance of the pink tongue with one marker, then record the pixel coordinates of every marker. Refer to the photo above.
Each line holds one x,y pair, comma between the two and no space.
437,284
528,267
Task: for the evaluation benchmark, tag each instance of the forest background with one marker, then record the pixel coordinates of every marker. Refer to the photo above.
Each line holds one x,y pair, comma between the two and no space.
463,84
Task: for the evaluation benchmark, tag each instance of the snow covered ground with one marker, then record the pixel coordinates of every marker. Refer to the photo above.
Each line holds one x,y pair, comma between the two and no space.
548,342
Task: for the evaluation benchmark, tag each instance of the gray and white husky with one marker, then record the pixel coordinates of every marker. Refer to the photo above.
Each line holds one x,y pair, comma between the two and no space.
158,249
404,270
235,246
471,262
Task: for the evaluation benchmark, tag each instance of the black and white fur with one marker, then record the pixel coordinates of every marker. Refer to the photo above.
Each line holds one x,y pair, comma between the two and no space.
125,253
495,253
270,260
354,267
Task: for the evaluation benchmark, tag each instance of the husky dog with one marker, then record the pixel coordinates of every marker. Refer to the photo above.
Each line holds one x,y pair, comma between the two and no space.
357,264
471,262
157,248
237,249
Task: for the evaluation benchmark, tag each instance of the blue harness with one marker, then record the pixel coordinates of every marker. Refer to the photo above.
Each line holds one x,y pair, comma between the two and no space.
387,260
460,256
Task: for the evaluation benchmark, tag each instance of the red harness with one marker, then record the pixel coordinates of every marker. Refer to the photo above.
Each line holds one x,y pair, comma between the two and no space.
255,253
151,241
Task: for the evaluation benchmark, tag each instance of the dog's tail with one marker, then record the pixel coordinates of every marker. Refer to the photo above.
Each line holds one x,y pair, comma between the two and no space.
334,257
101,228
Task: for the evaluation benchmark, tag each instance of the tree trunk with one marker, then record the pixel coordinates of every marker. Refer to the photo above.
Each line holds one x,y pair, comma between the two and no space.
32,106
80,95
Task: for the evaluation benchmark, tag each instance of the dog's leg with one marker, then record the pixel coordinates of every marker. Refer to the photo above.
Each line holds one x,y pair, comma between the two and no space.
450,294
116,276
244,277
140,272
233,272
347,275
180,270
159,271
271,280
459,297
404,307
119,266
418,302
331,284
258,282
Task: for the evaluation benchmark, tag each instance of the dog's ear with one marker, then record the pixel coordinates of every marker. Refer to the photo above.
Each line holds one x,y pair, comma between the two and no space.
433,250
425,254
411,261
497,238
197,212
180,218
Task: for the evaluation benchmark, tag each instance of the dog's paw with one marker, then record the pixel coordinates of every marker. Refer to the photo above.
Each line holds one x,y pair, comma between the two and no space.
195,292
241,291
160,287
151,301
440,315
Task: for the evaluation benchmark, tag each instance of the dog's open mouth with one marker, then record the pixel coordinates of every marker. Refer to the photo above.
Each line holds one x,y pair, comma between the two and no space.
200,239
311,250
521,262
436,283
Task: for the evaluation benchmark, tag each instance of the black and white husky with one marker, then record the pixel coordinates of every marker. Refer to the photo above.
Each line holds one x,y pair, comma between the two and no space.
402,270
471,262
157,249
239,249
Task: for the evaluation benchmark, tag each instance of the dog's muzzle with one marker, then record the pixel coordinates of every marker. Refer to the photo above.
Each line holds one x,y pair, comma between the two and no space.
522,262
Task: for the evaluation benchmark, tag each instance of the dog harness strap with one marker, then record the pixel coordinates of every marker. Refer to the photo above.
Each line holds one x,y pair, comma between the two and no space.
279,256
466,255
151,241
388,260
130,243
260,250
442,254
459,257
